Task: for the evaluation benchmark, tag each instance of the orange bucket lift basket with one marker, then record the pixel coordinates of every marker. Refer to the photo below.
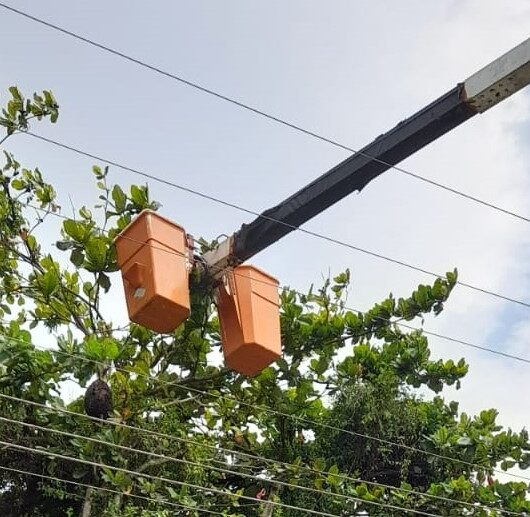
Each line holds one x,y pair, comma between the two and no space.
152,256
249,316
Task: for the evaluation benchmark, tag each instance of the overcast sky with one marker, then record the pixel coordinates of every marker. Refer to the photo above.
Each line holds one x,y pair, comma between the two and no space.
349,70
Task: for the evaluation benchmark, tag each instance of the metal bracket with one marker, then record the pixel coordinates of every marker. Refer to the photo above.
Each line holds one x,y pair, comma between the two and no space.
220,259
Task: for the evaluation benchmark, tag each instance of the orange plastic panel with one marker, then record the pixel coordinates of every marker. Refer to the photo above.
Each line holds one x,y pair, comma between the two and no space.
151,254
249,316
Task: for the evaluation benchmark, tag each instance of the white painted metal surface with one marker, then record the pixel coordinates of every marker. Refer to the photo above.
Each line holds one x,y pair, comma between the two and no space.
500,79
219,259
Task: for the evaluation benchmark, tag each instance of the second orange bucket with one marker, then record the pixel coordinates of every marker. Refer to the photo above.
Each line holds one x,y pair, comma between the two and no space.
249,316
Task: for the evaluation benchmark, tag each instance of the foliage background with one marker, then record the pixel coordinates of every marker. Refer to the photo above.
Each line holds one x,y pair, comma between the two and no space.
342,370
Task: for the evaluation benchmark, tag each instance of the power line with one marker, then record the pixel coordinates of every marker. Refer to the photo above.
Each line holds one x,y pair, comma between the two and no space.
192,485
280,413
262,113
344,147
228,451
324,425
283,223
466,343
353,433
271,481
169,458
108,490
389,321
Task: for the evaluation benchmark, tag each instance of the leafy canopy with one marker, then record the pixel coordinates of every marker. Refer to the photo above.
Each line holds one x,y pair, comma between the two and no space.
340,414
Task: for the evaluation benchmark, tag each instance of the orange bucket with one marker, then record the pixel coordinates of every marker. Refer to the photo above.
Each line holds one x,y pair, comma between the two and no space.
249,316
152,253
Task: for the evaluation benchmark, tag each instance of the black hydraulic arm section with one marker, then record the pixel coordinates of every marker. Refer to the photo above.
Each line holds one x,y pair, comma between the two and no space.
354,173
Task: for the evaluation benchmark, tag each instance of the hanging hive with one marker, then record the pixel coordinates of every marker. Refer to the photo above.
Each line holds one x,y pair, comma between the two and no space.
98,400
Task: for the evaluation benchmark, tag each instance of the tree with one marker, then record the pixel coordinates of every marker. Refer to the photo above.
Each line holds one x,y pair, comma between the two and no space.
335,426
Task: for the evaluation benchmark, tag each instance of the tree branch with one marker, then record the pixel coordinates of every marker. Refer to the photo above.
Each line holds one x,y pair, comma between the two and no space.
86,511
152,463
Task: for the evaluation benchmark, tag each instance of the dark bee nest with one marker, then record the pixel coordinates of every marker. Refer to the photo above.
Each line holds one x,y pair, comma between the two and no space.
98,400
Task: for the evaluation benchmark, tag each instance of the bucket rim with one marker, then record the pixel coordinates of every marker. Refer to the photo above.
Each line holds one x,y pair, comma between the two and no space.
144,212
259,270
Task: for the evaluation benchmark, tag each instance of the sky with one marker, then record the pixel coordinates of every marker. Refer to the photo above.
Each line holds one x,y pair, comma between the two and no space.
347,70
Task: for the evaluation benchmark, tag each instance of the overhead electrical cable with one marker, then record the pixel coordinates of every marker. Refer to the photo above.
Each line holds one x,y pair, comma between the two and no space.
271,411
200,487
269,480
389,321
344,147
228,452
324,237
109,490
380,318
261,113
316,423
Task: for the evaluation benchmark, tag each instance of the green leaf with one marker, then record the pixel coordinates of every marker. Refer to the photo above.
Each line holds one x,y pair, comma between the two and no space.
48,283
45,195
139,196
104,281
12,109
18,184
172,493
64,245
334,470
333,478
503,490
15,93
77,257
75,230
452,277
319,464
85,213
507,464
320,365
93,348
88,288
101,349
96,253
362,491
48,98
319,483
119,197
110,348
